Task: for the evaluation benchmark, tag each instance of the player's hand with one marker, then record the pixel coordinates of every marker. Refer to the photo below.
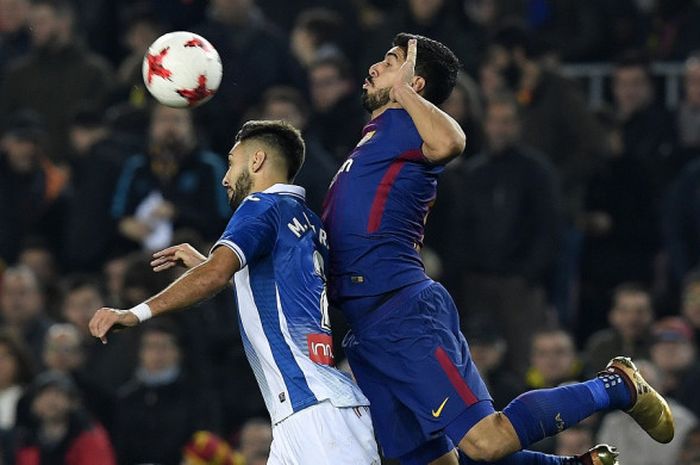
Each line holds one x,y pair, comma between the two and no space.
181,254
407,71
110,319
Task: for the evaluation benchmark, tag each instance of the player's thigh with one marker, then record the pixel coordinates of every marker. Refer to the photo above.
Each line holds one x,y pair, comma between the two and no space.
325,435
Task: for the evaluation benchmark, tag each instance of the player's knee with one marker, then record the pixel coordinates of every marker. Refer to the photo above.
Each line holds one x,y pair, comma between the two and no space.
479,448
489,440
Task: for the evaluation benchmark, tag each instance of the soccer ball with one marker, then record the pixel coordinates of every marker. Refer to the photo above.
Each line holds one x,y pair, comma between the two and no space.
181,69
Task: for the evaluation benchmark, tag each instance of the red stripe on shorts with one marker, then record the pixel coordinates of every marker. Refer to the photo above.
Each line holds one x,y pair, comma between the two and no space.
455,377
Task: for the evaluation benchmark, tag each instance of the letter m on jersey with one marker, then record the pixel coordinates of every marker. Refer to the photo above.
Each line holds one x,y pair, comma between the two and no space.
321,349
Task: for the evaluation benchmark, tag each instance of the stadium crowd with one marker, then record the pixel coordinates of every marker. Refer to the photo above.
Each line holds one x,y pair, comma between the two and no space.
566,234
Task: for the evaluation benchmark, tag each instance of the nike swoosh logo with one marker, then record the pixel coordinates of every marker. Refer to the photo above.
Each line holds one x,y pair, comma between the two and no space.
438,412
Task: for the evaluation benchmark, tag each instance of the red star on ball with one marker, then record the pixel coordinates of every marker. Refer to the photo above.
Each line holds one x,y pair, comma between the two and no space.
197,94
155,65
195,42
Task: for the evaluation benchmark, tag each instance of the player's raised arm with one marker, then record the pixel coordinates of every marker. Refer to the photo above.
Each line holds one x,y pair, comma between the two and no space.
197,284
443,138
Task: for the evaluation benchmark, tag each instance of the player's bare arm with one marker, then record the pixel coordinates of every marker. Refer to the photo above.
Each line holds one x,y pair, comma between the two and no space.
443,138
197,284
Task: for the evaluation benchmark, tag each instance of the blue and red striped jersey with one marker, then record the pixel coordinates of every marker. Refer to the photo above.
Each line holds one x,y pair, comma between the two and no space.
376,208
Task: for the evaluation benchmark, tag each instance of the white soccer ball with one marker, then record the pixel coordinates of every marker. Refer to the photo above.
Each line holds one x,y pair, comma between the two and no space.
181,69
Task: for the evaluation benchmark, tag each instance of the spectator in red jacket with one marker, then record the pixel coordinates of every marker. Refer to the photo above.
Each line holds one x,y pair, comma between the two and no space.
61,433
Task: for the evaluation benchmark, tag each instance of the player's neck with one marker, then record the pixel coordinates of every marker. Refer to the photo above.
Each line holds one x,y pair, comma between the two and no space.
266,182
384,108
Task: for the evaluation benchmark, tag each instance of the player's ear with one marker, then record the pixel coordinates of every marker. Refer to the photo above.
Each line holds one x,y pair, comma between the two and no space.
418,83
257,160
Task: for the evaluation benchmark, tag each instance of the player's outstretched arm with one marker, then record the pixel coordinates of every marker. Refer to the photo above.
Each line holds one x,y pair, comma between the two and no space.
197,284
443,138
181,254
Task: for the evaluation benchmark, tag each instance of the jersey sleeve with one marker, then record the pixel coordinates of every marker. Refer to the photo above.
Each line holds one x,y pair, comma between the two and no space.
252,230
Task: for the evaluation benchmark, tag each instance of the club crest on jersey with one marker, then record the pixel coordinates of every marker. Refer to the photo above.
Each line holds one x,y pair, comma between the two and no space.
321,349
366,138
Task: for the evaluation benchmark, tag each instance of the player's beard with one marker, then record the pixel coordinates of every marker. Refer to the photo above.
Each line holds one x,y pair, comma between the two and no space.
376,100
241,189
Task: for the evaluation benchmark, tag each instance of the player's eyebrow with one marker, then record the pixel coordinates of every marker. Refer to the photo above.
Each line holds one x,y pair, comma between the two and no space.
392,54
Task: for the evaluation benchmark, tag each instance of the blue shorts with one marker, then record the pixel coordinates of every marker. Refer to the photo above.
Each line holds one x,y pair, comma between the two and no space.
413,364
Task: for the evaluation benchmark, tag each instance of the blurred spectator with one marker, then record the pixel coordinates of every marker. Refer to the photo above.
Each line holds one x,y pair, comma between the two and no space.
555,118
557,122
619,222
630,320
96,157
106,366
207,448
675,354
255,56
22,309
674,31
338,116
16,372
14,33
36,255
316,35
177,185
32,188
574,441
681,222
160,393
624,25
618,428
690,453
505,231
553,359
286,103
142,28
431,18
574,29
57,75
690,302
464,106
63,433
688,113
647,128
65,352
255,438
488,349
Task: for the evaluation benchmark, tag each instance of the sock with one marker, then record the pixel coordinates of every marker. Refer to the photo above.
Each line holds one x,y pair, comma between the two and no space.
538,414
619,395
525,457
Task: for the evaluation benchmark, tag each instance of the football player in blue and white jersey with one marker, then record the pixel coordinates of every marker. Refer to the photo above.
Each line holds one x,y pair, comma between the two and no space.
275,249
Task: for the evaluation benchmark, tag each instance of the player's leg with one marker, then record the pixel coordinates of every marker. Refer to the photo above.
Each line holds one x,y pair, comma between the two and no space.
538,414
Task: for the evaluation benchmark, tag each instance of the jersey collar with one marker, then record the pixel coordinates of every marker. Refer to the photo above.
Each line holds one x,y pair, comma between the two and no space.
286,189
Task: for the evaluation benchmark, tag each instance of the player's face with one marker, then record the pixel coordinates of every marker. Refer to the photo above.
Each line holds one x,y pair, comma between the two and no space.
382,75
237,180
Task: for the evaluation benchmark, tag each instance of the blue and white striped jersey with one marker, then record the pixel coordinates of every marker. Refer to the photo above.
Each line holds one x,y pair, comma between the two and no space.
282,304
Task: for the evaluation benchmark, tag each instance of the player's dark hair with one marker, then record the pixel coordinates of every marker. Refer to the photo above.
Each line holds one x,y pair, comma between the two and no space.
435,63
280,135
